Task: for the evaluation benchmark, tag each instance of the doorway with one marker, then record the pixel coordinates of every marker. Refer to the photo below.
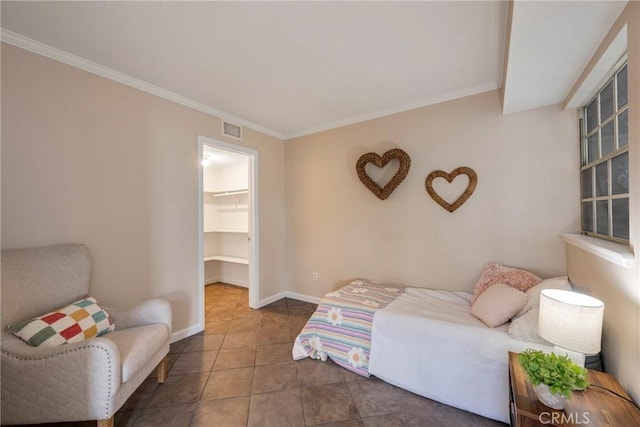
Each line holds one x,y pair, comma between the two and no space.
228,226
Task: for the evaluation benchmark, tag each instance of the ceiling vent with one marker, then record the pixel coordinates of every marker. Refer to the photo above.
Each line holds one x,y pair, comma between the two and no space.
234,131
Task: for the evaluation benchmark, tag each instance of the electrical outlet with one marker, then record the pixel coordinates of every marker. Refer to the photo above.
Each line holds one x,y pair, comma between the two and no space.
314,276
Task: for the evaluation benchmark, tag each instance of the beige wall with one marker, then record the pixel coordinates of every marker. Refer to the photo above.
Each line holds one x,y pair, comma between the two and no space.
85,159
618,287
526,167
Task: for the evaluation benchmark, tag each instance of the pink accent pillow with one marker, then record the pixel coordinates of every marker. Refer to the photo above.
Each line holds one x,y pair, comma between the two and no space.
494,272
498,304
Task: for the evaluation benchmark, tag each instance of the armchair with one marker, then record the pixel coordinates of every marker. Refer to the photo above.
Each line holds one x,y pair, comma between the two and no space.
87,380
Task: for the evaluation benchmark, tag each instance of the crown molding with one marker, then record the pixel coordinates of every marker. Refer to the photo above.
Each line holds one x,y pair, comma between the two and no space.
473,90
59,55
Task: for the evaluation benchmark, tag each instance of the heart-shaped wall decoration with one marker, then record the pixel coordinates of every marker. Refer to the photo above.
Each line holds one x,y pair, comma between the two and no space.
473,182
381,161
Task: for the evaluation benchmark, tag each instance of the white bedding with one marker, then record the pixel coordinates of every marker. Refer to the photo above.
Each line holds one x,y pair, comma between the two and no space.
427,342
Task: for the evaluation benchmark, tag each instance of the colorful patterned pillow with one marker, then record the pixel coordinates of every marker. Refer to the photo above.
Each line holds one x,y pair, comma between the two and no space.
76,322
494,272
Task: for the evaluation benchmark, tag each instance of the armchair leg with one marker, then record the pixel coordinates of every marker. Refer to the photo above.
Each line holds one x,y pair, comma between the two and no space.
162,372
106,423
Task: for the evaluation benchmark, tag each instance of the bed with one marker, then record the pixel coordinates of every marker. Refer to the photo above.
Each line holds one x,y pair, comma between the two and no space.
422,340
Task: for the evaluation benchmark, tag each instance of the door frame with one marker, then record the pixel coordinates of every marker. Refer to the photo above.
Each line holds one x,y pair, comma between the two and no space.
254,267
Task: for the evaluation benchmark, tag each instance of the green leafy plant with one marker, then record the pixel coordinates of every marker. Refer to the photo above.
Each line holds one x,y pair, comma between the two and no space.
558,372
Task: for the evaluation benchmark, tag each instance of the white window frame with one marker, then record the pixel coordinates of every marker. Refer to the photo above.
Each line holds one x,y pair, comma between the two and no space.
617,151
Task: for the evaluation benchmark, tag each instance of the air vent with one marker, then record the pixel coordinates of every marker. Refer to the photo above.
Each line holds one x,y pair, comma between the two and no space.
234,131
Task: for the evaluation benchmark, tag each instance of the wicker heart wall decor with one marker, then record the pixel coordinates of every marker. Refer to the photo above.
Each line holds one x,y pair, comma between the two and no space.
381,161
473,182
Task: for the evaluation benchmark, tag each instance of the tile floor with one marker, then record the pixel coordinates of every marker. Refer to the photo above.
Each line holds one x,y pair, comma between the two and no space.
239,372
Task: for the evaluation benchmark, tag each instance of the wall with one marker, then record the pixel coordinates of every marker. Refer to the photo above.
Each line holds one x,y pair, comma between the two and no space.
227,178
86,159
525,164
618,287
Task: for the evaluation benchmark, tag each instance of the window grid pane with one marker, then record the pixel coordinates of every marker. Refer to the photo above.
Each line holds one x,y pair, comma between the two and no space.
623,129
620,174
608,138
604,182
602,217
602,179
586,178
592,115
606,102
593,153
587,216
620,218
622,87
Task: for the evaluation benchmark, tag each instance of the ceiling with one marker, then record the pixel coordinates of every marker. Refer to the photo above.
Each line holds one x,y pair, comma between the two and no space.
220,158
294,68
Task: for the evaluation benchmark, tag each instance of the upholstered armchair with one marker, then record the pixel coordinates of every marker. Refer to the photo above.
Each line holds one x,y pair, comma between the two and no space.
86,380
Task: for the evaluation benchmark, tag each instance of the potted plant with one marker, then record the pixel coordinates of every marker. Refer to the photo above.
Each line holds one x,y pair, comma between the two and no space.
553,377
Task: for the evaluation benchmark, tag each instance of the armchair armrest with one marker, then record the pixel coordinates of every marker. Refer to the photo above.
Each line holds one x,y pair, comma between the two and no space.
146,313
83,377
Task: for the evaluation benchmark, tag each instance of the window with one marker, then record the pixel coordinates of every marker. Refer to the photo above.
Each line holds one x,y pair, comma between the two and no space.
604,173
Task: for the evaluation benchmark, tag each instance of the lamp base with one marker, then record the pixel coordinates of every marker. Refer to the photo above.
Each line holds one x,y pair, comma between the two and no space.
577,358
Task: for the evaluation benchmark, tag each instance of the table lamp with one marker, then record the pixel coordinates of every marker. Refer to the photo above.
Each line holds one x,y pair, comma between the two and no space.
572,322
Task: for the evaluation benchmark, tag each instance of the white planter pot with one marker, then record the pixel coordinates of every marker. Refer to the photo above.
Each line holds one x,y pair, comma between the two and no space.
555,401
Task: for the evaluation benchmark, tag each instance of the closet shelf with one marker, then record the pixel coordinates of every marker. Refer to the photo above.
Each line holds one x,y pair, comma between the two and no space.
228,193
233,259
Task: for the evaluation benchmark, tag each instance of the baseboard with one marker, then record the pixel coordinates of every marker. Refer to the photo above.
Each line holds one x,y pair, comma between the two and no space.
271,299
230,282
194,329
223,280
302,297
288,294
186,332
211,280
235,283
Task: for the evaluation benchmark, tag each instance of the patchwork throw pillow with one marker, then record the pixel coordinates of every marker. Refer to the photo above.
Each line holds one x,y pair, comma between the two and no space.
494,272
498,304
76,322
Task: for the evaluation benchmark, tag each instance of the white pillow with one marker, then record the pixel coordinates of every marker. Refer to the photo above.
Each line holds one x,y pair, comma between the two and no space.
525,328
534,293
498,304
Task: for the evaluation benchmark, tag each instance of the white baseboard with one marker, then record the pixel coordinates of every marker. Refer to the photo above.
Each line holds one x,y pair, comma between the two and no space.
288,294
302,297
230,282
194,329
210,280
186,332
235,282
271,299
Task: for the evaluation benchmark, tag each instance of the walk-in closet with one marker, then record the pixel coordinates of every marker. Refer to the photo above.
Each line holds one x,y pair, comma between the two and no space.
226,216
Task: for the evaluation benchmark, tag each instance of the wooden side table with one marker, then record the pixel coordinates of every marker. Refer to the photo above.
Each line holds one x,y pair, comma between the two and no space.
594,406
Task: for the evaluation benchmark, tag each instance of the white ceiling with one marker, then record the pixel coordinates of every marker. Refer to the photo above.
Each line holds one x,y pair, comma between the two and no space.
292,68
550,46
219,158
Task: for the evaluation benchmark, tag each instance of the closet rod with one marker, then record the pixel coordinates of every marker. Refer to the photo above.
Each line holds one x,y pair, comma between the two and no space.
230,193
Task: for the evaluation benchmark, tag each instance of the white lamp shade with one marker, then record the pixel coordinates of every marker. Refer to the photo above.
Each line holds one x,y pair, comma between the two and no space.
571,320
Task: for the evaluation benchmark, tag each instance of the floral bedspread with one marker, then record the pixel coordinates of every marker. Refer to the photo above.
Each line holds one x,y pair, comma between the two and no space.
341,326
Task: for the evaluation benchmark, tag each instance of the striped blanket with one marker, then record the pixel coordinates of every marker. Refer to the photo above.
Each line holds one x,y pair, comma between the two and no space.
341,326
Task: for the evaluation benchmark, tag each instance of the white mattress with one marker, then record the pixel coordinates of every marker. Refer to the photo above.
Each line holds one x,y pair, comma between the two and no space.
427,342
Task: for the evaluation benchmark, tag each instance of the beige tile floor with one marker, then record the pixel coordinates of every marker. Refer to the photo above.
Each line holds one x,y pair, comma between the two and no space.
239,372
